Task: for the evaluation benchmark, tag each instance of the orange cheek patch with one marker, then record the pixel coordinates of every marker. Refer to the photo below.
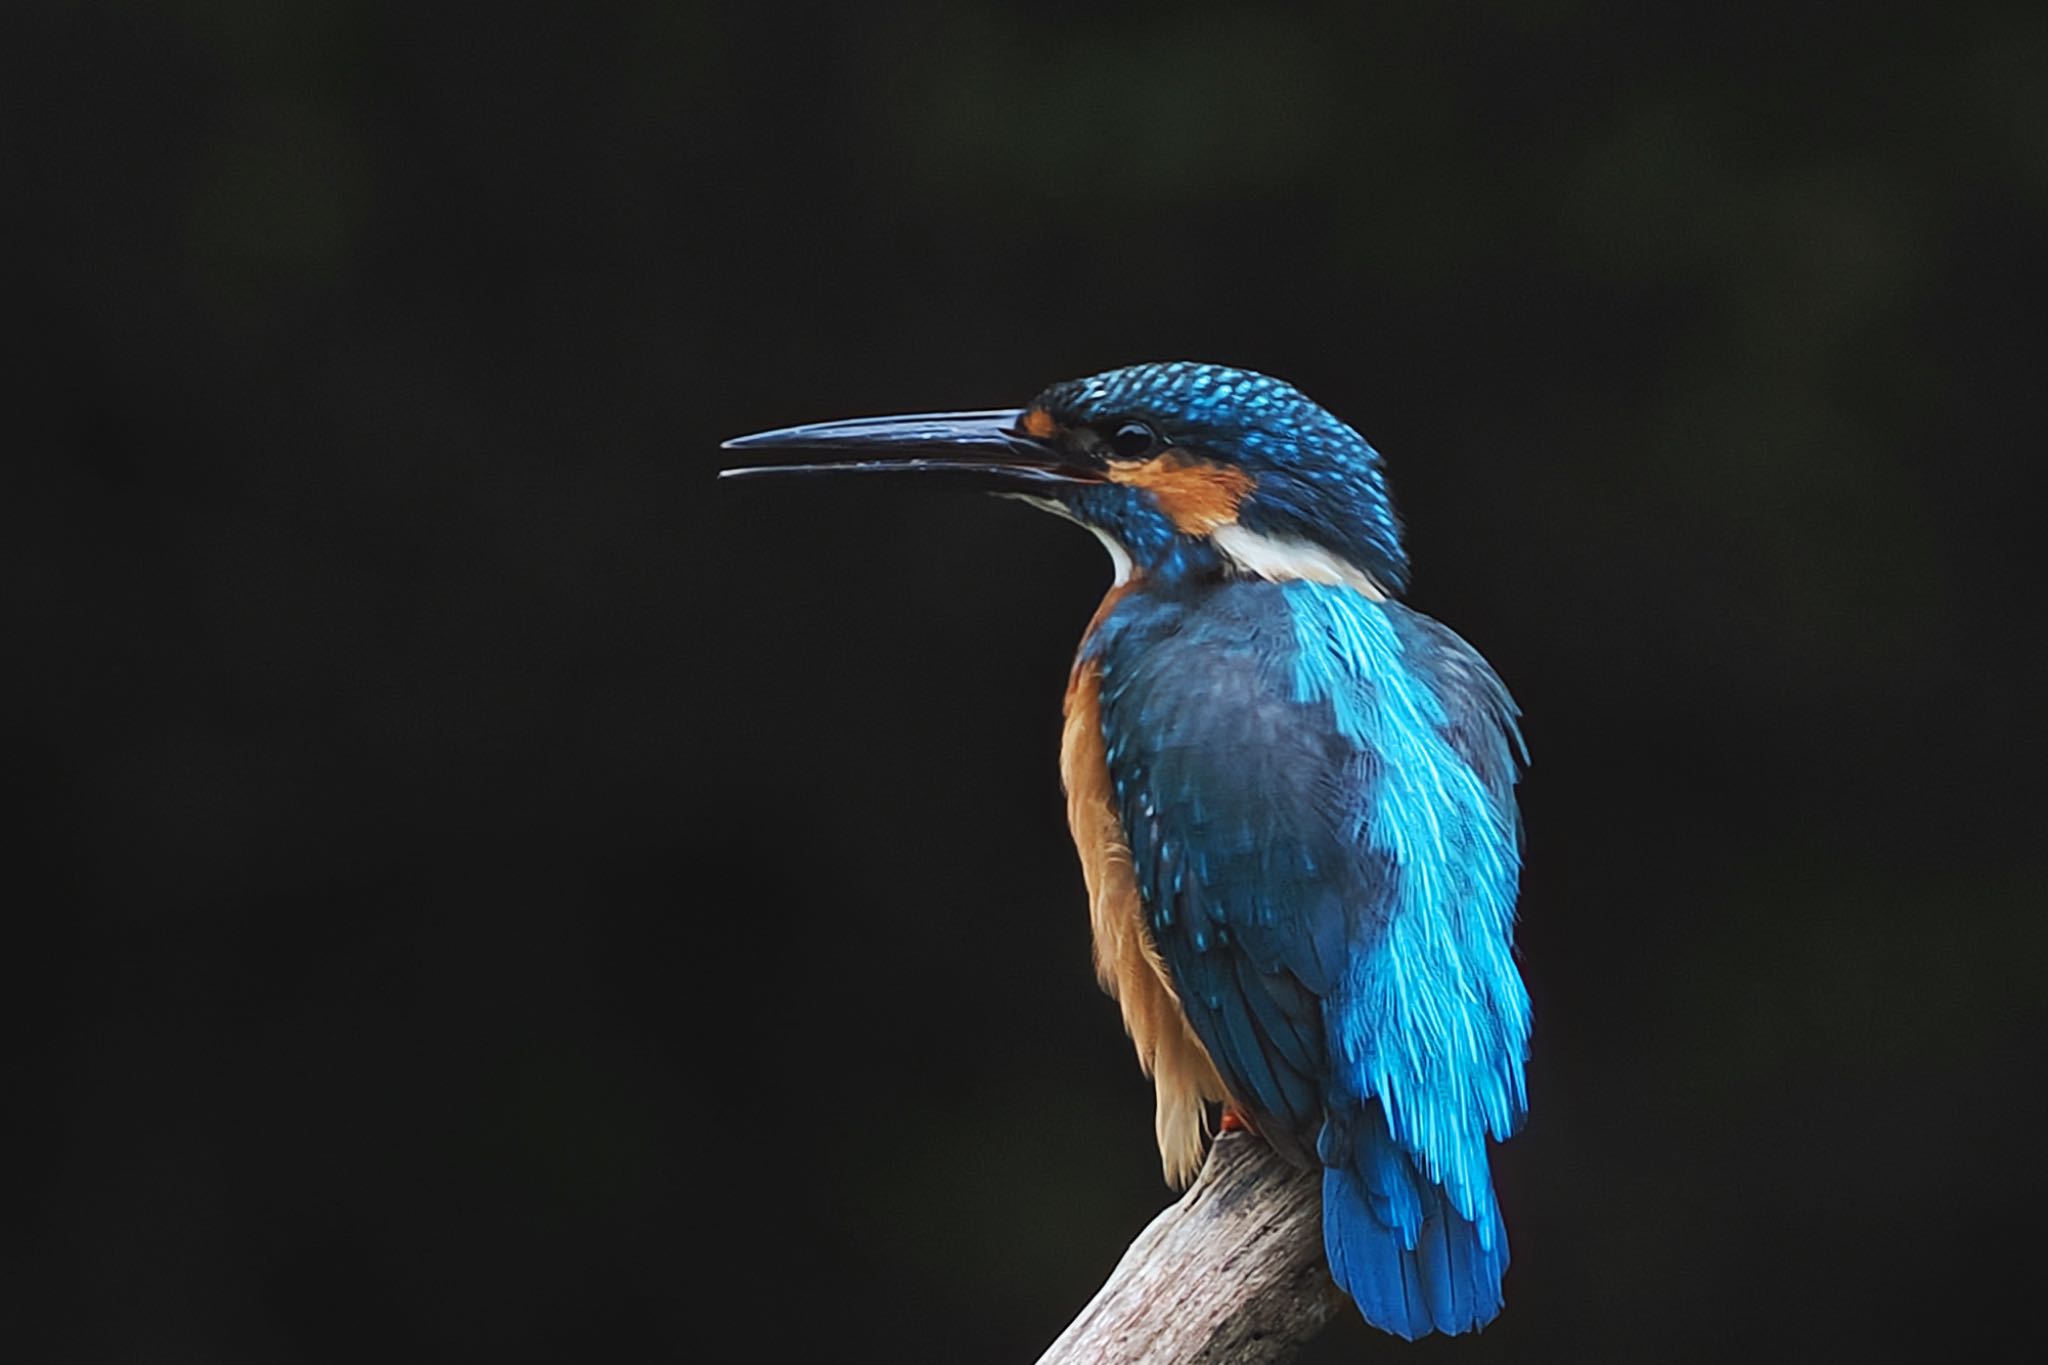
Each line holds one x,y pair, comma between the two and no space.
1038,422
1198,497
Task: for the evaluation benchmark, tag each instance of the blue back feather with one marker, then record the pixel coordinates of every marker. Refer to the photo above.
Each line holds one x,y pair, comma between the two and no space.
1318,793
1435,1022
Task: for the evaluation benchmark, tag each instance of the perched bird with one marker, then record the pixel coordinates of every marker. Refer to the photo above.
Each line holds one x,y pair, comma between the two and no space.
1293,798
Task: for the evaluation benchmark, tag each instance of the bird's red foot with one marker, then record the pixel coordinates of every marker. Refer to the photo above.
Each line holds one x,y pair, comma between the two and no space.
1233,1122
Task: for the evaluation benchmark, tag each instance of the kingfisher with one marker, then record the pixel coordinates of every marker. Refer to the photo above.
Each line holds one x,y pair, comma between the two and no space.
1293,797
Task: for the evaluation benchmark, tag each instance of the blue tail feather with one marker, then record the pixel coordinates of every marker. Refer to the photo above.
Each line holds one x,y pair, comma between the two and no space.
1397,1246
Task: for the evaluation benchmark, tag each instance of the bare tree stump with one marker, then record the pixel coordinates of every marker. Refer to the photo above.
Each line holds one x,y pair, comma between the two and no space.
1232,1273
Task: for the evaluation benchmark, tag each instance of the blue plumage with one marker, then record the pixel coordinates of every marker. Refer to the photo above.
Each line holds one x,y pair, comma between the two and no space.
1331,881
1314,786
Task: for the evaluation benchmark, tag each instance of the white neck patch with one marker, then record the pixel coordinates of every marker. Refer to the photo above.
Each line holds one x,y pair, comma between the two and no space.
1277,559
1280,558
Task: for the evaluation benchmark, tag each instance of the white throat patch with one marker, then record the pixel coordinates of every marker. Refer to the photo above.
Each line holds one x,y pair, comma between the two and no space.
1279,559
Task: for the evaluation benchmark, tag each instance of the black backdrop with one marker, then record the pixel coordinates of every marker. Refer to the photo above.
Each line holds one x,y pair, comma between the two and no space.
475,867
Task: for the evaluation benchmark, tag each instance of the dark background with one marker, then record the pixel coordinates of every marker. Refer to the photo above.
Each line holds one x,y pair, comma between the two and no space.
475,866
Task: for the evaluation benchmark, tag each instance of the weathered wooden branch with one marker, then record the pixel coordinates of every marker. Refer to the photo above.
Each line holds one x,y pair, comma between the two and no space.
1232,1273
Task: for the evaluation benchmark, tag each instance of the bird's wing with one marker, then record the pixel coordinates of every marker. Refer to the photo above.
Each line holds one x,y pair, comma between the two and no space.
1317,792
1226,787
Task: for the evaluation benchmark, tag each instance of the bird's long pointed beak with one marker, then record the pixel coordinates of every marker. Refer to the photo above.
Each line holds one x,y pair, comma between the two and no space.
988,449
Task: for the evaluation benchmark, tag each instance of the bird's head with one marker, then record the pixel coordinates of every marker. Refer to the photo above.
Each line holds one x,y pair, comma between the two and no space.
1182,469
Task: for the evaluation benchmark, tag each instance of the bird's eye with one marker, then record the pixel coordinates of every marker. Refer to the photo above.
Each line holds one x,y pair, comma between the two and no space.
1133,441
